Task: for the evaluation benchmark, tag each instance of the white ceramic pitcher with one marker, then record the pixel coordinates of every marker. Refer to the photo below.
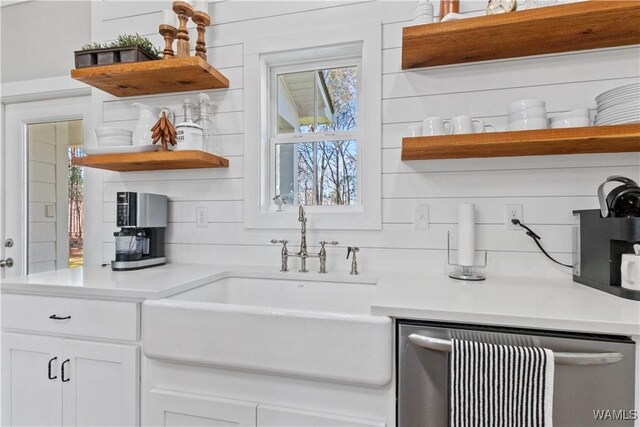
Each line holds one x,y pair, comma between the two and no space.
147,117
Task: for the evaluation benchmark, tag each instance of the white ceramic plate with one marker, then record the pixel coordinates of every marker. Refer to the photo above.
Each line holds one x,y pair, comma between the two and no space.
605,106
616,117
619,112
616,91
624,122
120,149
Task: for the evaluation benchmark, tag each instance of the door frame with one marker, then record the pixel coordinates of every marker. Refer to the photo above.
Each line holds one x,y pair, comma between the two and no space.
27,95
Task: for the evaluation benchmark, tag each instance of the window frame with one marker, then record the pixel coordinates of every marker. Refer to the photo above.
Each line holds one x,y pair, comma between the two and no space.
276,138
319,45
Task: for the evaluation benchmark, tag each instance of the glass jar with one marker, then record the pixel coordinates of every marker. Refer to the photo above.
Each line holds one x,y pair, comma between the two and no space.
205,122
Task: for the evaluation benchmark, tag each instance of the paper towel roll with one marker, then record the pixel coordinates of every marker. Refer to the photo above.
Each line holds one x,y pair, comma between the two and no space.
466,234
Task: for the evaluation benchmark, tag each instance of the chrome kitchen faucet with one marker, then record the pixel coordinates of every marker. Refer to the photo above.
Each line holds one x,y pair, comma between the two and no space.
303,254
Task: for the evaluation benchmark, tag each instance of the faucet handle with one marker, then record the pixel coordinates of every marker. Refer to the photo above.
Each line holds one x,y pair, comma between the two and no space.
275,242
333,243
353,249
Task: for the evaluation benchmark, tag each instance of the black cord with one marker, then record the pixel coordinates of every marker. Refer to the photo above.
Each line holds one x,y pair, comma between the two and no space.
536,239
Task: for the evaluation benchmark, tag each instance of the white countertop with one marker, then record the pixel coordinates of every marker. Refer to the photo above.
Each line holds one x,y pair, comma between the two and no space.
102,282
558,304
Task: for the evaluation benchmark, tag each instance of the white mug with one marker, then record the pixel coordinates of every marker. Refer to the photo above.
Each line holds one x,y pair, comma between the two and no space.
432,126
630,269
483,126
464,124
414,130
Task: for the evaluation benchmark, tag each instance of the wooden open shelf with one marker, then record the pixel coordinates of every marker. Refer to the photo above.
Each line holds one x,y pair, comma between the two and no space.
553,29
153,77
152,160
584,140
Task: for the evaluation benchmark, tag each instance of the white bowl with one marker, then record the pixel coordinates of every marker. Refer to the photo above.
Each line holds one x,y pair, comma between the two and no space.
108,131
573,114
528,124
572,122
524,104
116,141
531,113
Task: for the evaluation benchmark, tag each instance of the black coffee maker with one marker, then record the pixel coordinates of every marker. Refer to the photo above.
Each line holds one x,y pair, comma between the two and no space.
602,236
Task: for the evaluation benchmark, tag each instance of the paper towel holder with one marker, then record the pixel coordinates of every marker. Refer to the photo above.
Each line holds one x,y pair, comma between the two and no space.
465,272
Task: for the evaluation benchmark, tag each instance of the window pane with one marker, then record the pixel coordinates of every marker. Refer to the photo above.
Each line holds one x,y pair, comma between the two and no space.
338,99
324,100
317,173
337,177
296,94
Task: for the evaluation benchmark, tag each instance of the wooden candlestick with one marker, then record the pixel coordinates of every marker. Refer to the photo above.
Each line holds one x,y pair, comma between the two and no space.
169,34
449,6
184,11
202,20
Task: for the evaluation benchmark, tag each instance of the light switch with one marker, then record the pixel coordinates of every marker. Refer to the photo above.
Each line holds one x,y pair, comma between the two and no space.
50,211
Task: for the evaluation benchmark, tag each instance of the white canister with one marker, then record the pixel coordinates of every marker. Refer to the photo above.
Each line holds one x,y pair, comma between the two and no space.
189,136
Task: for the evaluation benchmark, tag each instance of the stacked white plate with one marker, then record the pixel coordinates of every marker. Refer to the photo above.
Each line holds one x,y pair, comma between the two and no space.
112,137
618,106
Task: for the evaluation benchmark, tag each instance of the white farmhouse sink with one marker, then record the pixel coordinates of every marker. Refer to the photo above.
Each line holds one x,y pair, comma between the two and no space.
277,325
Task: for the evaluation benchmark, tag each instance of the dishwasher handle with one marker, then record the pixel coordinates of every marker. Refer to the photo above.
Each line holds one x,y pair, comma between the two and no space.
560,358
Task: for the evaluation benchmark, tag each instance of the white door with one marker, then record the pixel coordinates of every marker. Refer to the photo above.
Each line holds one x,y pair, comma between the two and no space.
39,166
172,409
31,386
100,384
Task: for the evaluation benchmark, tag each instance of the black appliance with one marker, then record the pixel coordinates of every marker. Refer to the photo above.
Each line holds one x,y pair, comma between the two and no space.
142,218
602,236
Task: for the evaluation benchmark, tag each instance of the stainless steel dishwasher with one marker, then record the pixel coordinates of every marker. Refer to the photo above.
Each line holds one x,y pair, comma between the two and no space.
603,379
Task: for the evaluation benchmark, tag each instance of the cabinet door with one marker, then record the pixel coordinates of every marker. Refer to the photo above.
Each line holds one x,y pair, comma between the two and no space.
171,409
31,396
100,384
277,416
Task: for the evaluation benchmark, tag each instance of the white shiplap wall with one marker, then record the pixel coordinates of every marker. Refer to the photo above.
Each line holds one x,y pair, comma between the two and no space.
548,187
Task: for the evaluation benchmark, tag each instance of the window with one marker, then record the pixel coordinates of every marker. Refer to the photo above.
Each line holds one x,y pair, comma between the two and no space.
312,128
314,134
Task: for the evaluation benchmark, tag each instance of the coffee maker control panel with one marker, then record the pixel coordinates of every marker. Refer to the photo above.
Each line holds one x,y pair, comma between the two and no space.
126,209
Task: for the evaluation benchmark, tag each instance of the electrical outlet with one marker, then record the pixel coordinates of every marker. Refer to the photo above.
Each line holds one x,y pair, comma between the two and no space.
202,217
421,217
512,212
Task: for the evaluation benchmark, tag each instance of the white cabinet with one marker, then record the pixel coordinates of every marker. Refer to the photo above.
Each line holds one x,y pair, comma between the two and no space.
277,416
171,409
59,381
64,381
101,384
29,397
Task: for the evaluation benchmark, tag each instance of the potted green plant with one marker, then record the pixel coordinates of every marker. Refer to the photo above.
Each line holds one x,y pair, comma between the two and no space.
127,48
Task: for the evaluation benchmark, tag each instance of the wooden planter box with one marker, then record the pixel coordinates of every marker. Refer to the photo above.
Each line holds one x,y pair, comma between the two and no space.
110,55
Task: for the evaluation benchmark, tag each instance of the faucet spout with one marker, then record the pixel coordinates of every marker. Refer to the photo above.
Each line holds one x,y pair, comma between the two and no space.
303,234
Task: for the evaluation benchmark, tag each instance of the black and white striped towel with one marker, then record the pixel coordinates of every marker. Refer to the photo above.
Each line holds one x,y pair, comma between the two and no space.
500,385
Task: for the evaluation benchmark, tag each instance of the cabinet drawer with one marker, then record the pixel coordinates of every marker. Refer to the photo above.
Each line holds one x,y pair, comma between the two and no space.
91,318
